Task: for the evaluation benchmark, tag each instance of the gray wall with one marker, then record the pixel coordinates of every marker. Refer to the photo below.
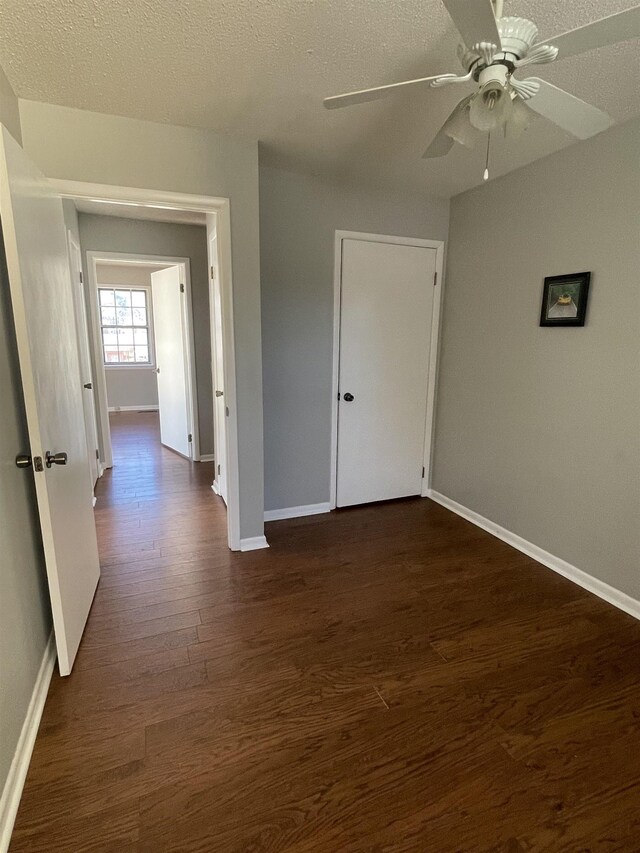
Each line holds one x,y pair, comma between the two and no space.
298,219
112,234
25,618
85,146
25,621
538,429
9,109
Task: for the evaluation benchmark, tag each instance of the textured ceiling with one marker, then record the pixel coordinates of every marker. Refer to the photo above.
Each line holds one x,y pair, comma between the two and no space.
260,68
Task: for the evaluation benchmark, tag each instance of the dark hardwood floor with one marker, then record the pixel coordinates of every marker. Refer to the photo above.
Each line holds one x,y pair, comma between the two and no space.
385,678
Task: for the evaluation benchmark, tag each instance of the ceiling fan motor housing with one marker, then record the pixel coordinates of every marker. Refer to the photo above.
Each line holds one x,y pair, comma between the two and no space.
517,35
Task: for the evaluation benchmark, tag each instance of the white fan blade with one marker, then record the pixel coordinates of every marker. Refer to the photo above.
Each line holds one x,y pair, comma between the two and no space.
442,142
363,95
475,21
619,27
568,112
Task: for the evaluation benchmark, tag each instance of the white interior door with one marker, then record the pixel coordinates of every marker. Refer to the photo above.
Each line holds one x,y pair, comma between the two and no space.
385,340
220,421
167,291
38,269
88,400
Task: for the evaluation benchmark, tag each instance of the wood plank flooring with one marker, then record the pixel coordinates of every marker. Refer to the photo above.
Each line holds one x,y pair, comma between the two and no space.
384,678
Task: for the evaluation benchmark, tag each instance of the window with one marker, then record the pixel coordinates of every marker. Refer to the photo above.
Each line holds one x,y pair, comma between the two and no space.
125,326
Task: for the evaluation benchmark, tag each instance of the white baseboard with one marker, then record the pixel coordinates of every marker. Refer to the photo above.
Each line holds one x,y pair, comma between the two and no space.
214,488
133,408
95,500
206,457
296,511
254,543
603,590
14,784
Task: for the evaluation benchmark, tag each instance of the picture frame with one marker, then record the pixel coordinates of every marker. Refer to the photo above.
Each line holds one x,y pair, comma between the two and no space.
564,299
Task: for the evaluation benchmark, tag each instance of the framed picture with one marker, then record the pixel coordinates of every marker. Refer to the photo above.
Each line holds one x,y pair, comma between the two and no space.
564,299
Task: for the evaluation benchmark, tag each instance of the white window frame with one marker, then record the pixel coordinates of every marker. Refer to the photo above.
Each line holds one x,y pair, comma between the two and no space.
128,365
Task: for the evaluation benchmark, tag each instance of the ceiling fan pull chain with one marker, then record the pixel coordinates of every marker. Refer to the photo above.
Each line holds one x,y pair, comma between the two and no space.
486,165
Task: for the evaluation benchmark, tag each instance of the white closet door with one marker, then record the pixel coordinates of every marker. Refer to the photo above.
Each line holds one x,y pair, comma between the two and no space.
38,270
170,340
385,339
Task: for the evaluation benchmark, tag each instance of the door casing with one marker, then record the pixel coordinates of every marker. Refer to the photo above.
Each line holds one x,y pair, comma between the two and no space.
438,245
221,209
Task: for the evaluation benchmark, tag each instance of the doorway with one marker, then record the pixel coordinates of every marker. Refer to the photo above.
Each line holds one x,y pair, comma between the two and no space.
387,311
144,344
214,215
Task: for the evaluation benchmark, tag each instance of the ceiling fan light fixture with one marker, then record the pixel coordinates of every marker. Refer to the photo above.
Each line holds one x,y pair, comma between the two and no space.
519,120
491,107
460,129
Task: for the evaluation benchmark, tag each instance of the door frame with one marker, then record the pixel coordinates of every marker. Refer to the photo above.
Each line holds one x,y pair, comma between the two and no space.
214,281
221,207
94,258
438,246
84,342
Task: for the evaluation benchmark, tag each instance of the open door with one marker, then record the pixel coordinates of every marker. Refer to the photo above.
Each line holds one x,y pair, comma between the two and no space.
38,268
169,315
220,421
88,400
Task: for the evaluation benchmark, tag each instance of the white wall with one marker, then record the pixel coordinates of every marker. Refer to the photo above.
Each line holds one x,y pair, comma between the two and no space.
86,146
298,219
25,619
131,386
538,429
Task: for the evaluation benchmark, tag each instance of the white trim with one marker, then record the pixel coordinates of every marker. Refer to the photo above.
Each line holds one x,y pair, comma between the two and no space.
603,590
254,543
205,204
14,784
438,246
153,408
206,457
296,511
133,365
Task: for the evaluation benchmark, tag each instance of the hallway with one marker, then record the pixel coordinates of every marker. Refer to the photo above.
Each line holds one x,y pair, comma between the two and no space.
386,678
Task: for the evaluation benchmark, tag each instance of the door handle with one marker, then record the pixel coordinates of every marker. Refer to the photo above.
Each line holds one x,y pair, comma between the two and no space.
88,386
219,393
55,459
23,460
348,398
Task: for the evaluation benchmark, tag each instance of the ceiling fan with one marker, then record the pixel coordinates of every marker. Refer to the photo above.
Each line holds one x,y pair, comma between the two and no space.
494,49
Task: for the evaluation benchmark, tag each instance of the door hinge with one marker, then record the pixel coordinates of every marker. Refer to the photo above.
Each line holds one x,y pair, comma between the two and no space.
423,473
97,455
218,469
81,279
181,287
189,437
212,272
435,278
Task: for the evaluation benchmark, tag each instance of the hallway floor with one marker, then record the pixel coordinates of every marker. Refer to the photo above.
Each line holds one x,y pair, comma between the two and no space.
384,678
